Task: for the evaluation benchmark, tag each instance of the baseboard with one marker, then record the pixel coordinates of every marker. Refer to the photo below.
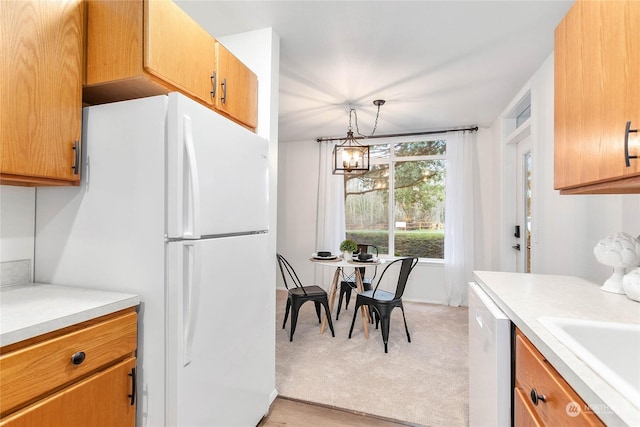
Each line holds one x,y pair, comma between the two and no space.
273,396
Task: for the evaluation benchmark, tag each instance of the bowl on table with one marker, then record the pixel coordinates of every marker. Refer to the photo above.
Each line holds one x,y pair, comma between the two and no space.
365,257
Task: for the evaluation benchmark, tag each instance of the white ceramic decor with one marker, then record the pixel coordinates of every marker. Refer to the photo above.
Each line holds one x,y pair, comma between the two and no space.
631,284
619,251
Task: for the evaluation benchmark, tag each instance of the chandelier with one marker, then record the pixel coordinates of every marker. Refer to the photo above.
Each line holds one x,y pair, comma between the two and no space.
350,157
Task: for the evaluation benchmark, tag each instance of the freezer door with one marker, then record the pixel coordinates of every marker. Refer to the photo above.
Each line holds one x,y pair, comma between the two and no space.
220,348
217,173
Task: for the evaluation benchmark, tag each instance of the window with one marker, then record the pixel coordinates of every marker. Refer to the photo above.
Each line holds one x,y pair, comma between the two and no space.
398,205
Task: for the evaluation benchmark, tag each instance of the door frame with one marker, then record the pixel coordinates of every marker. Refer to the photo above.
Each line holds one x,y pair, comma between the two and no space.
512,132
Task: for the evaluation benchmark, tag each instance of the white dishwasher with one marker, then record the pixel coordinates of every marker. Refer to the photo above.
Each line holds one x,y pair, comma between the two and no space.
489,362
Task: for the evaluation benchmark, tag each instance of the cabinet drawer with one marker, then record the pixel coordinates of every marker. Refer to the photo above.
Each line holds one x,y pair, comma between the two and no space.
30,372
562,406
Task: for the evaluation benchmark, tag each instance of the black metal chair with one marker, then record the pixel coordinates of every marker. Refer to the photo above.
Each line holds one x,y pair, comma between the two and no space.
349,283
383,302
300,294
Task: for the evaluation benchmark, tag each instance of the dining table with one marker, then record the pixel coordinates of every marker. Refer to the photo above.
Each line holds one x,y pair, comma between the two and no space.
340,264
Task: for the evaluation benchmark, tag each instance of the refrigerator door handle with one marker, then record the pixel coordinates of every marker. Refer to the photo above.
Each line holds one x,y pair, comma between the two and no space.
190,298
192,193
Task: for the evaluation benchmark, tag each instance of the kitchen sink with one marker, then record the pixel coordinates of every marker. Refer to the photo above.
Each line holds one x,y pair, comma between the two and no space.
611,350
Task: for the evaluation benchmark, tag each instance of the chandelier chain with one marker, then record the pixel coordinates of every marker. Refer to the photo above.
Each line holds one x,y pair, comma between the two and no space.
375,124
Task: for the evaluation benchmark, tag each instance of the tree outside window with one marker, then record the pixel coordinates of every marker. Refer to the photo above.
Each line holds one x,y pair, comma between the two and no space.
398,205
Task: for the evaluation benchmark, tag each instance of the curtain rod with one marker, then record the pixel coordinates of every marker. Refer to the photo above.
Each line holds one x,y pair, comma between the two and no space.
392,135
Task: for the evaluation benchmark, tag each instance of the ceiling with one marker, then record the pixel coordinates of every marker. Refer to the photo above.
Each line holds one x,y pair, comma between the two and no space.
438,64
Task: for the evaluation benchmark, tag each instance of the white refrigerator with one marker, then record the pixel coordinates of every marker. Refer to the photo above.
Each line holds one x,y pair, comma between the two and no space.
173,206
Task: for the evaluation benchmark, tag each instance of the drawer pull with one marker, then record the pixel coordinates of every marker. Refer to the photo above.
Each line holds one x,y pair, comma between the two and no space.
78,358
535,397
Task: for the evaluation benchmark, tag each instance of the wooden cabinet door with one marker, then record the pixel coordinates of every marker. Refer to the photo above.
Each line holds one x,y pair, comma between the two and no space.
177,50
597,90
237,88
523,416
41,86
103,399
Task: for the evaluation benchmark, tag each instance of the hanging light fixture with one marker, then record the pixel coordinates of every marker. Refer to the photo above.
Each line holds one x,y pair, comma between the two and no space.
350,157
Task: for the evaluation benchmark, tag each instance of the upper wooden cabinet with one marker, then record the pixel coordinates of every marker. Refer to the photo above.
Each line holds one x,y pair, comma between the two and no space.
144,48
236,92
597,91
41,86
137,49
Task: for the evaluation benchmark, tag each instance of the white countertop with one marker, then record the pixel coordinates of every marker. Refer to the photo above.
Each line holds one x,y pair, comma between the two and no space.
526,297
33,309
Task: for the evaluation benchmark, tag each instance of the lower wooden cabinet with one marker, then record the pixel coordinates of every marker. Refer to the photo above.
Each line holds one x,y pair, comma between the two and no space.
541,396
84,375
100,400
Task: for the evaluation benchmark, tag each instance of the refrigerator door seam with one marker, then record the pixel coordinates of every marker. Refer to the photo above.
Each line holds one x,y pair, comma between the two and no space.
168,239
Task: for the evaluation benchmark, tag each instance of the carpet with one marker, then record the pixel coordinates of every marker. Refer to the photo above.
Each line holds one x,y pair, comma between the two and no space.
424,382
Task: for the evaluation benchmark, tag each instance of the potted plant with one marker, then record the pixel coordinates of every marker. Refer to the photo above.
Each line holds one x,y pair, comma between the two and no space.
348,247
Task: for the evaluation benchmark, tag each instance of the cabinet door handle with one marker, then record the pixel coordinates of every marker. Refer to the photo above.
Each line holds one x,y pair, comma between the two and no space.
627,157
132,396
223,99
213,85
76,161
78,357
535,397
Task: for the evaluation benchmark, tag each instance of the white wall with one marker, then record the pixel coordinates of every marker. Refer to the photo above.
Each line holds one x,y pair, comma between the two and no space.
17,209
17,222
566,228
297,188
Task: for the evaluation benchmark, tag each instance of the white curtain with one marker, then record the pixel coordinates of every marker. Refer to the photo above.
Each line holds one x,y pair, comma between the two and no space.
330,223
459,213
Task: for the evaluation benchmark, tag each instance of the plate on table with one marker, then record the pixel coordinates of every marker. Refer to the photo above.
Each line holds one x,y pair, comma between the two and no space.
324,258
366,261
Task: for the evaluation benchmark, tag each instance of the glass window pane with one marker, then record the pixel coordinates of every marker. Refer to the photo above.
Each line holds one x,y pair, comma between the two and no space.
419,208
523,116
379,151
421,148
367,207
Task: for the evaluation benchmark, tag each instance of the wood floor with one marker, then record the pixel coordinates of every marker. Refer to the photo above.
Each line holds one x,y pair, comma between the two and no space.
296,413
